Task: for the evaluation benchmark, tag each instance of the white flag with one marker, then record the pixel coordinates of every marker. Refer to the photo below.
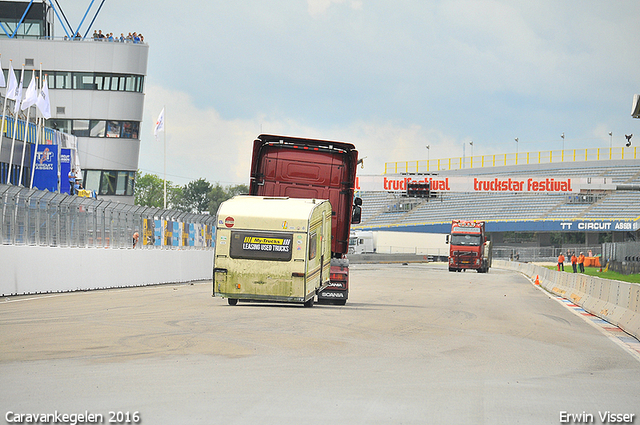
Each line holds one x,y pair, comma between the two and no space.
31,95
13,83
18,94
43,100
3,82
159,124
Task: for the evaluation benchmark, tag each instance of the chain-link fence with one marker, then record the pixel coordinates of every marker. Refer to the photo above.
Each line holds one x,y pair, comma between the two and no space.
622,251
543,253
33,217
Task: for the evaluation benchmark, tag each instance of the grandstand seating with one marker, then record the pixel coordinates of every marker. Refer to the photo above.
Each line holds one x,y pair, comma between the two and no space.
381,209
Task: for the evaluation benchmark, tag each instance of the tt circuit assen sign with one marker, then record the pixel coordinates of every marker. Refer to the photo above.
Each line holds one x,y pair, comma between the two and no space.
504,184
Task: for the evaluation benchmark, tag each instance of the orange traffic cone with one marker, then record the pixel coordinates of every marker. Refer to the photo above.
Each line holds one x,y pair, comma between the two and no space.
537,282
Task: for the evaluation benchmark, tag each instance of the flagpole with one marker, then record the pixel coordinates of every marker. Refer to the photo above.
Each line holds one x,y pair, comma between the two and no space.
15,122
35,150
4,108
26,134
165,157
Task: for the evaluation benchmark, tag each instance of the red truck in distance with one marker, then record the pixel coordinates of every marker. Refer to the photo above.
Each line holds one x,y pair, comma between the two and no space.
295,167
469,247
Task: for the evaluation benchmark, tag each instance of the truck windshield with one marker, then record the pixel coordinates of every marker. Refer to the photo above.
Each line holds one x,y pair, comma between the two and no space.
468,240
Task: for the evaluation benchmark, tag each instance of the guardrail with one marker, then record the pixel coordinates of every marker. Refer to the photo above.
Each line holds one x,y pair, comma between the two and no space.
612,300
501,160
35,217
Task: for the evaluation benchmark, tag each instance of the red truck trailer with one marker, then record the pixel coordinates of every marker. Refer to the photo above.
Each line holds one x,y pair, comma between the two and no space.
295,167
469,247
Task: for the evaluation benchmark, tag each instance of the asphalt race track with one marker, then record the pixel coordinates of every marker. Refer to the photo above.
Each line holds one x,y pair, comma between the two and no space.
415,344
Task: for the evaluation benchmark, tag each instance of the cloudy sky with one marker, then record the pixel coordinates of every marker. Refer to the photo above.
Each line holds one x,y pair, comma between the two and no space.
389,77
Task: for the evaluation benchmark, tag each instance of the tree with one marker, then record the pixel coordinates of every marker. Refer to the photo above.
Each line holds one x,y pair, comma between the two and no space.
219,194
149,191
198,196
194,196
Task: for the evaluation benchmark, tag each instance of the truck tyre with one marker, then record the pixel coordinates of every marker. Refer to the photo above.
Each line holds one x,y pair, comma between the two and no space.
309,302
232,301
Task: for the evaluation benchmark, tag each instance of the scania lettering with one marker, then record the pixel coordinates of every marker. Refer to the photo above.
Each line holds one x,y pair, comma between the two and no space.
469,247
314,169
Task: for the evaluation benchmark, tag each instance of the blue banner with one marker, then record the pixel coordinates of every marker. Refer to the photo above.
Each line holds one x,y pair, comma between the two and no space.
157,232
65,167
175,240
525,226
192,234
45,172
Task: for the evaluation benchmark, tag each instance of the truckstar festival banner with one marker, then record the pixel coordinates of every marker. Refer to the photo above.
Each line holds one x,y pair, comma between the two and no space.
505,184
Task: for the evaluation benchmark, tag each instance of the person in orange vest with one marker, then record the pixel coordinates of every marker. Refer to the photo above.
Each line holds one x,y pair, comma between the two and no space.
560,262
581,262
574,261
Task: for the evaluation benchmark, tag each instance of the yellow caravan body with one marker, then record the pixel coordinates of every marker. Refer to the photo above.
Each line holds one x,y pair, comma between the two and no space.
272,249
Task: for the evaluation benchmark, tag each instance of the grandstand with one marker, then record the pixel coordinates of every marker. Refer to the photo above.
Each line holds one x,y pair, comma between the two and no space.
606,211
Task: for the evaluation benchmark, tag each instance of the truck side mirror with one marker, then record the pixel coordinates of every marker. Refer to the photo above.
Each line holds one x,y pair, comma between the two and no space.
447,240
356,215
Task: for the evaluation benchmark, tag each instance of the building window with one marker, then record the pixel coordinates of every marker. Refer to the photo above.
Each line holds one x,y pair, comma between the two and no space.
110,182
92,180
113,128
80,128
83,81
96,128
130,129
60,80
60,125
92,81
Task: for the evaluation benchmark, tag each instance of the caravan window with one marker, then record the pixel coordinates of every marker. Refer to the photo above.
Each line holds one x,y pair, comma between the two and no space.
313,246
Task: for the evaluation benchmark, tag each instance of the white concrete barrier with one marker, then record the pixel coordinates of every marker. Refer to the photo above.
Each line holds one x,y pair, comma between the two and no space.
612,300
37,269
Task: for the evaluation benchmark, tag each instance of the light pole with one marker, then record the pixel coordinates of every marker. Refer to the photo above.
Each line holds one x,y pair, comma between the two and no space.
471,143
428,153
562,142
610,140
464,155
516,146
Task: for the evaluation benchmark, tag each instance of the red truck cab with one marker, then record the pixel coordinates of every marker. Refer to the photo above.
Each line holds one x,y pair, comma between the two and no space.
308,168
468,246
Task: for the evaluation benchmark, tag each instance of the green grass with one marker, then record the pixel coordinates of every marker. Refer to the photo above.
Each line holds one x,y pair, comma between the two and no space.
593,271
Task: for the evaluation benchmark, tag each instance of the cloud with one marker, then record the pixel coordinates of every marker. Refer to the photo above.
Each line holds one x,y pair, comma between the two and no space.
388,77
202,144
199,142
320,7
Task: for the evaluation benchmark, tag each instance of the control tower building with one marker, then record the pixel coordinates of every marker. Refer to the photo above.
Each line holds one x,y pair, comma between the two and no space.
96,89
